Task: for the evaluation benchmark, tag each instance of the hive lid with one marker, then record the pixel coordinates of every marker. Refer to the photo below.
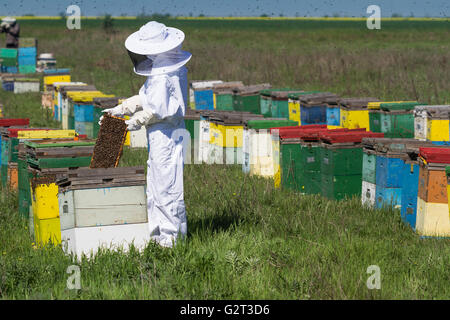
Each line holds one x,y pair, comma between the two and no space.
14,122
296,95
252,89
65,89
351,136
227,86
356,103
298,131
87,178
435,154
284,94
51,72
205,84
399,106
316,98
60,143
267,92
26,80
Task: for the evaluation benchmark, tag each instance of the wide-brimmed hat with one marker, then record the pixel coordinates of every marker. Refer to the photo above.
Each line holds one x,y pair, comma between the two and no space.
154,38
156,49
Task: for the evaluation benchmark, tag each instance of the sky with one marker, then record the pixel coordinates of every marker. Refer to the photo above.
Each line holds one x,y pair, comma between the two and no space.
311,8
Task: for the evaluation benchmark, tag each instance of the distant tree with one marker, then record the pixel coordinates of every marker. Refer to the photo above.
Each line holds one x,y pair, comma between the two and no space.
123,15
326,16
264,15
396,15
201,15
107,23
62,15
281,15
190,14
28,15
336,15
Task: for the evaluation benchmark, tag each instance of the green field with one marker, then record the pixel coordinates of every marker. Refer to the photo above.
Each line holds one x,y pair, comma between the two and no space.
247,240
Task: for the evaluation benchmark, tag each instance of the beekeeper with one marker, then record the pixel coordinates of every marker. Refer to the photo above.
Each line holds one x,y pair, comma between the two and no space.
10,26
155,51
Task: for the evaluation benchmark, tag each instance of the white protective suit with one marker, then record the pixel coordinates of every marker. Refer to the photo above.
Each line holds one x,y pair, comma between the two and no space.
165,97
155,51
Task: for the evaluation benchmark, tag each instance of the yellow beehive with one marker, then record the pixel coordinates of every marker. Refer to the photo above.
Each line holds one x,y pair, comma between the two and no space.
48,80
46,134
232,136
432,218
355,119
45,201
294,111
438,130
47,230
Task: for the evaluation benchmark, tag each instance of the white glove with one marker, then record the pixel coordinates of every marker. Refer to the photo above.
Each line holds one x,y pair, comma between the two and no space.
127,107
139,119
4,25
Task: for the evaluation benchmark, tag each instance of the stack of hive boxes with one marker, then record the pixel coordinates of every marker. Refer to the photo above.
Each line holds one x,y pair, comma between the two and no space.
257,145
341,161
65,94
103,208
55,75
43,161
27,55
226,135
300,160
8,57
57,96
22,85
432,203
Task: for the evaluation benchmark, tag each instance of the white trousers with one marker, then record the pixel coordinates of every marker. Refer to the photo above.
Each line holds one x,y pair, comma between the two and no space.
165,196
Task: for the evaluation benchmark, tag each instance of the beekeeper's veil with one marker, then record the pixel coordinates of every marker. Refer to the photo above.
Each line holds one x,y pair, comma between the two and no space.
156,49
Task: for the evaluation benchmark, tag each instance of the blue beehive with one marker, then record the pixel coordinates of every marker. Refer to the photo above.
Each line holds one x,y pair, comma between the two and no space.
83,112
27,60
391,197
28,51
410,188
389,172
313,114
204,100
333,116
8,85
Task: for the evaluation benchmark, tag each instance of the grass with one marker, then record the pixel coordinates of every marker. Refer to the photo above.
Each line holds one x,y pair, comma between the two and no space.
247,240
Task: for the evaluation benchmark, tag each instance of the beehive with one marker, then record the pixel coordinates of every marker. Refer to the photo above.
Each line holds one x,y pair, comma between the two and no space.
103,208
280,103
55,75
22,85
223,94
265,101
341,162
247,98
397,119
201,94
354,112
433,217
313,107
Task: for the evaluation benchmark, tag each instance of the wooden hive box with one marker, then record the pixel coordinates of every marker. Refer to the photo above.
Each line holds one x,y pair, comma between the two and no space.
103,208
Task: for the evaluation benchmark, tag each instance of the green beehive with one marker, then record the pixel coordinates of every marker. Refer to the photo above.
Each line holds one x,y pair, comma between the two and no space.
24,195
341,170
397,119
375,120
223,94
247,98
266,100
8,57
369,166
280,102
290,167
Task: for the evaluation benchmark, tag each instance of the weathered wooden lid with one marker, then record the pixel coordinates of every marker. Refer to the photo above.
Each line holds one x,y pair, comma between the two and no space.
252,89
283,94
356,103
316,98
